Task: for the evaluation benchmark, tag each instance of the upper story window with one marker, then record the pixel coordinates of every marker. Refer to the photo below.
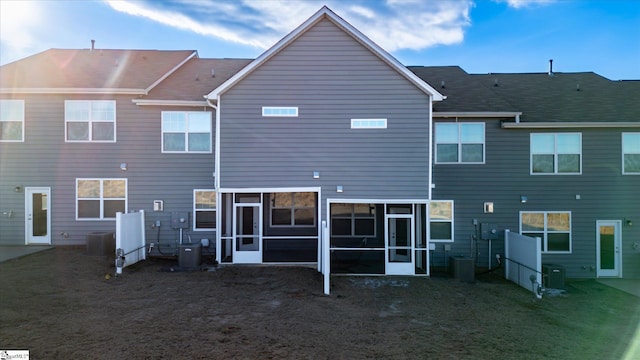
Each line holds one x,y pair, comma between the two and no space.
186,132
553,227
368,123
204,209
280,111
293,209
11,120
100,199
90,120
631,153
556,153
441,220
459,143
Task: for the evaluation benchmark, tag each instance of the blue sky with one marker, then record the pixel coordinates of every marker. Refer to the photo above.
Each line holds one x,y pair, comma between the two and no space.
480,36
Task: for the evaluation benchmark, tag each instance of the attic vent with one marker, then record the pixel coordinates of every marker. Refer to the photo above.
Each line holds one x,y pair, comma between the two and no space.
93,45
442,84
213,72
197,77
578,87
550,67
495,82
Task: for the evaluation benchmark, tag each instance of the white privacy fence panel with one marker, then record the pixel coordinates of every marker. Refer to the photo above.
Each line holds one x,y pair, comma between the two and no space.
130,239
523,261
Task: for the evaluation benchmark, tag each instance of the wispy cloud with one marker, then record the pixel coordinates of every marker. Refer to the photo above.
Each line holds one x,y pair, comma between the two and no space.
393,24
518,4
17,19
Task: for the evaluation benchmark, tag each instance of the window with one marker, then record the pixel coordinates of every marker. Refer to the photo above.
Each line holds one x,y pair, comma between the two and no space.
90,120
441,220
293,209
11,120
631,153
553,227
100,199
348,220
186,132
368,123
204,209
556,153
280,111
459,143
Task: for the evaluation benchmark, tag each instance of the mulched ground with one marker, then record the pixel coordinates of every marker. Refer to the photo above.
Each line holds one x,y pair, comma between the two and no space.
59,305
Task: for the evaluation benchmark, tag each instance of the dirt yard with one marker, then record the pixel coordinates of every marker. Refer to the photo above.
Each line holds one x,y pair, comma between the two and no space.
59,305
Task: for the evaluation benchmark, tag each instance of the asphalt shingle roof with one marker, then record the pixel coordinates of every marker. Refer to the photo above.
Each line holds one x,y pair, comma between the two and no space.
84,68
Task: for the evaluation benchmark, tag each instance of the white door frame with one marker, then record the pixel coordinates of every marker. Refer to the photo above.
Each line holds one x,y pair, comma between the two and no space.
32,238
617,244
241,256
399,268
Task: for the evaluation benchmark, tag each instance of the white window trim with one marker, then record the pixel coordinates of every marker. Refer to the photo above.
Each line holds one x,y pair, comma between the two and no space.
195,210
186,132
102,218
460,143
555,155
15,120
280,111
545,231
360,124
623,153
453,236
293,209
90,121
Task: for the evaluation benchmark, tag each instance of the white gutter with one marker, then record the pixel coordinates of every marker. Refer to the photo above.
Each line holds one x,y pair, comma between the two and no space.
574,124
149,102
478,114
113,91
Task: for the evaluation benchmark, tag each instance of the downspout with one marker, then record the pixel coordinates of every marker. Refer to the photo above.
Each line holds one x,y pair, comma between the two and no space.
216,178
430,146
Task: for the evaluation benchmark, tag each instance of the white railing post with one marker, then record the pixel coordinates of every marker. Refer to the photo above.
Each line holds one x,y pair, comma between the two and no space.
326,263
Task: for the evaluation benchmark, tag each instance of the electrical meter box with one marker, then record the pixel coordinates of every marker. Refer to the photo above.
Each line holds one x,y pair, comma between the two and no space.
488,231
180,220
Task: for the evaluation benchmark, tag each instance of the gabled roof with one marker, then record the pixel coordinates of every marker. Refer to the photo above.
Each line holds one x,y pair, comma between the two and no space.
91,71
326,13
193,80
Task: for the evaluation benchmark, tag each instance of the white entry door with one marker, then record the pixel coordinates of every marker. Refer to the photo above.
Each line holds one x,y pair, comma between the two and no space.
247,234
37,217
399,259
608,248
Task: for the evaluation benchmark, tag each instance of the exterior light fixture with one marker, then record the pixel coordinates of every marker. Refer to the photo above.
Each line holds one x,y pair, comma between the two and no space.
123,166
523,199
339,189
629,222
316,174
18,188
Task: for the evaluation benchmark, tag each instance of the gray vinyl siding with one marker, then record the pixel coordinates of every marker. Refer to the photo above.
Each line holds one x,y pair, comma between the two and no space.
331,78
605,194
44,159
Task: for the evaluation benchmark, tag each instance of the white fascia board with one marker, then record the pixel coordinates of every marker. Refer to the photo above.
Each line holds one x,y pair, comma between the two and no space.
322,13
573,124
377,201
113,91
270,190
195,53
148,102
476,114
